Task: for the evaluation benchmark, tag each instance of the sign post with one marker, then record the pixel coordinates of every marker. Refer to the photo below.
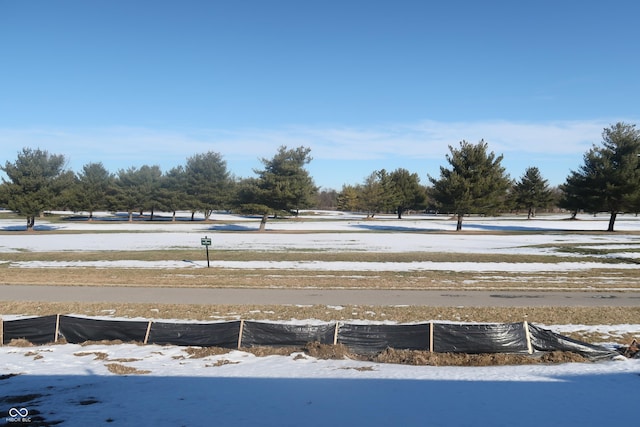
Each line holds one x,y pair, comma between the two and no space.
206,242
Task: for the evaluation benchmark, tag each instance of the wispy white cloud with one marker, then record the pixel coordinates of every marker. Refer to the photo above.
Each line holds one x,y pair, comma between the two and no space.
122,147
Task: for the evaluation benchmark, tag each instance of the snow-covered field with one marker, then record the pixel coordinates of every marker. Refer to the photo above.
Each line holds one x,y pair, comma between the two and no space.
334,233
73,383
169,388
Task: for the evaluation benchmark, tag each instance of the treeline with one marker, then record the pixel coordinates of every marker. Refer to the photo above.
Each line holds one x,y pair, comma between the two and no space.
473,182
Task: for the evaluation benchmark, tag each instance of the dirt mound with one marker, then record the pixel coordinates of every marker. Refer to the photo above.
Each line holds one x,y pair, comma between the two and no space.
325,351
20,342
413,357
202,352
271,351
425,358
562,357
402,357
109,342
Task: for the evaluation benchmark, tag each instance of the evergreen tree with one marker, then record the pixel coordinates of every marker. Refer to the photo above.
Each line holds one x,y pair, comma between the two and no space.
208,183
348,198
609,179
532,192
172,194
475,183
371,194
137,189
409,194
94,184
37,182
284,185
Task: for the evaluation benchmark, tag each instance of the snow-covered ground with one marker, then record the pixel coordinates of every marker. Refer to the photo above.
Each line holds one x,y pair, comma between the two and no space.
167,387
73,383
335,233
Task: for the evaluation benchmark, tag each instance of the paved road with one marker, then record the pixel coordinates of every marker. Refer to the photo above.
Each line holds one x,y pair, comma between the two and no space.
316,296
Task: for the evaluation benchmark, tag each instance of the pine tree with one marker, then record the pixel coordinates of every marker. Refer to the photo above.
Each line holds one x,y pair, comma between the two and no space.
372,196
475,183
348,198
609,179
208,183
94,184
37,182
532,191
137,189
409,193
172,194
284,185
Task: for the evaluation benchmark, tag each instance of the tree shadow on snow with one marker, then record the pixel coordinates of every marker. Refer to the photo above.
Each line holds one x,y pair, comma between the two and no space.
231,227
506,227
204,401
24,228
396,228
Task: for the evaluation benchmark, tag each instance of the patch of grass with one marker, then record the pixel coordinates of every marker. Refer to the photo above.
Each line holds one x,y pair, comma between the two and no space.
202,352
119,369
400,314
591,279
99,355
178,254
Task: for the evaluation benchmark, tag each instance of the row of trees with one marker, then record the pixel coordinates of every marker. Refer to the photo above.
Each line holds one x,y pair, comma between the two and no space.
38,182
473,182
609,180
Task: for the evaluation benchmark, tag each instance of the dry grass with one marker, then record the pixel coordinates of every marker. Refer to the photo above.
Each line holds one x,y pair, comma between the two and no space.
98,355
120,369
202,352
400,314
403,357
593,279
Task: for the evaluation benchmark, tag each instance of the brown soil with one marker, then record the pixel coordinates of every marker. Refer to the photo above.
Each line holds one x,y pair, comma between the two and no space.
411,357
400,314
415,357
119,369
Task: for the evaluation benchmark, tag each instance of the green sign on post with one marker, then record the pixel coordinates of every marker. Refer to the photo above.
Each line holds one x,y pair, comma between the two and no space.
206,242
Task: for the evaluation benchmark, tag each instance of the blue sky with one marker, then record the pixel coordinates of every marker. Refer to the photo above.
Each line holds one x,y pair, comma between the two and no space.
365,84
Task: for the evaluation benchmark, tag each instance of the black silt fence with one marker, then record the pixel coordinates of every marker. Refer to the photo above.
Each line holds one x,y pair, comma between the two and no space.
371,339
224,334
544,340
480,338
77,330
358,338
283,335
37,330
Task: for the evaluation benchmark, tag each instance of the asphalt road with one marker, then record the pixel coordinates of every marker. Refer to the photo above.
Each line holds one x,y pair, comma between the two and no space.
317,296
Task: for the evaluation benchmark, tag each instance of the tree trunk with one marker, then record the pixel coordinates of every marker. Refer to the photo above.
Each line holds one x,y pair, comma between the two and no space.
459,224
612,220
399,212
152,211
263,222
